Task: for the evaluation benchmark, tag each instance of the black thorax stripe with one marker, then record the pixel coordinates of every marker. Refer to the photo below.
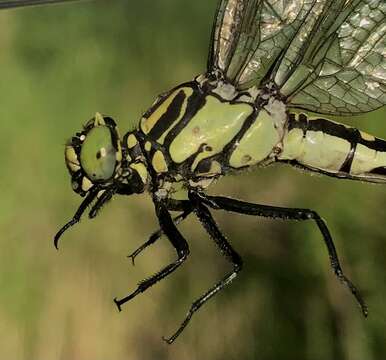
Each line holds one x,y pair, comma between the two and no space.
194,103
168,118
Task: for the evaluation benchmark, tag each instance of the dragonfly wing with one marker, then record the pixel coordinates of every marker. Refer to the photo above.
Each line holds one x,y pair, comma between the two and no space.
327,56
250,36
21,3
340,68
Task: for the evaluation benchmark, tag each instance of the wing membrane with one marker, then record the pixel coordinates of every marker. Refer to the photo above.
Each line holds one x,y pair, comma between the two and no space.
345,71
21,3
328,56
250,35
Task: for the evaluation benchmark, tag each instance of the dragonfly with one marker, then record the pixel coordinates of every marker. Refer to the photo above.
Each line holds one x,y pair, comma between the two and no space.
276,71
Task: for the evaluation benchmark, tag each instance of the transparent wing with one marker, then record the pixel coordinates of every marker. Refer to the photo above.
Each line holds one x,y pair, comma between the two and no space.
327,56
250,36
343,69
21,3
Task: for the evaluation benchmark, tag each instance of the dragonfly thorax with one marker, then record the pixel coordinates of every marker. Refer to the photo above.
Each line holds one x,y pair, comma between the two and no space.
202,129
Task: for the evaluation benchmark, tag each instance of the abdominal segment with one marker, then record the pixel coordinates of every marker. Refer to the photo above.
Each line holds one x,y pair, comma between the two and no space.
326,146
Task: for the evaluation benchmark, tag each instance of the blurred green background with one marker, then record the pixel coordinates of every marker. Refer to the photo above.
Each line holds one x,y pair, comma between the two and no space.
60,64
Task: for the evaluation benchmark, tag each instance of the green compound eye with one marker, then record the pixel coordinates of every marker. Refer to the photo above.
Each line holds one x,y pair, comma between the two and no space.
98,154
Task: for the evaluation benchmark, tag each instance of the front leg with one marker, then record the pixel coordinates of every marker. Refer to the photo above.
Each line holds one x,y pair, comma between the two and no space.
179,243
183,206
227,251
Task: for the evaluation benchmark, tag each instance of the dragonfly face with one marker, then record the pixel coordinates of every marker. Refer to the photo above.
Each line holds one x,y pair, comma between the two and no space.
96,161
269,64
94,155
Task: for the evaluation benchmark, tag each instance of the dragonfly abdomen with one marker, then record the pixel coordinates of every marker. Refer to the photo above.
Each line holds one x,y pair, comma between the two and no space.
325,146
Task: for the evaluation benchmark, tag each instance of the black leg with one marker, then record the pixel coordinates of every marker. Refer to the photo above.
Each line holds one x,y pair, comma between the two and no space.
157,234
226,249
274,212
76,218
178,242
105,197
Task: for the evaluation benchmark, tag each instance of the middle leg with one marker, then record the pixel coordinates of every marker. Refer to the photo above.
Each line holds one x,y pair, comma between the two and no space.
183,206
226,249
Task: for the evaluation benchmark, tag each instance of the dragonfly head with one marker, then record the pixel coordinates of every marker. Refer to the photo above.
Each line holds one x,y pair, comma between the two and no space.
94,155
97,160
101,166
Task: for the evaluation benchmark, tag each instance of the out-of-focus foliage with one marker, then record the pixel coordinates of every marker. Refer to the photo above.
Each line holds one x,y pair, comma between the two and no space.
59,65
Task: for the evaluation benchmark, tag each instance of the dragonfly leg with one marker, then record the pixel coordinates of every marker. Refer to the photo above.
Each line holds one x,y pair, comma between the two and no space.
226,249
157,234
102,200
178,242
275,212
76,218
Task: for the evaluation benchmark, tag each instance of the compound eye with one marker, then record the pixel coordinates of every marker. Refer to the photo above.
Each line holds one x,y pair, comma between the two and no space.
98,155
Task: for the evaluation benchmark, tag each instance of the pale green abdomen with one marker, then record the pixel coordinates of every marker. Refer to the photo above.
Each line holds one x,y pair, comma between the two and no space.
326,146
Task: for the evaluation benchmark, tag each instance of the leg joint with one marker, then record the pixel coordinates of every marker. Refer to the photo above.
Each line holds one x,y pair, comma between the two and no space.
238,267
183,253
238,264
306,214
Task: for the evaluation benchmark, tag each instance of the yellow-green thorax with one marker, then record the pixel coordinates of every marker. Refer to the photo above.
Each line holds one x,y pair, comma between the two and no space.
194,135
